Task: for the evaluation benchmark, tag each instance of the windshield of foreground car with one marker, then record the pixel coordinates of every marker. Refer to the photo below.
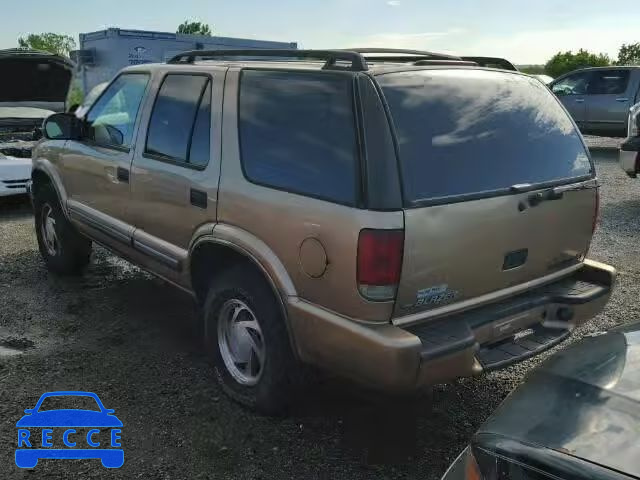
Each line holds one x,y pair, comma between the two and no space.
464,132
66,402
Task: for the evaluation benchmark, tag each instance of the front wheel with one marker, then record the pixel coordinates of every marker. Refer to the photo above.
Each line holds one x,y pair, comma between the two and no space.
247,339
63,248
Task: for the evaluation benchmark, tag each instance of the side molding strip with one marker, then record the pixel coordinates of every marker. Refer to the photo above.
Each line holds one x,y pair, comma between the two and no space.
88,220
156,255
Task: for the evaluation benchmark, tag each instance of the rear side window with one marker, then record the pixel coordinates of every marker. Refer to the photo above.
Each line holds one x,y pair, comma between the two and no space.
477,133
382,178
200,141
608,82
297,133
179,128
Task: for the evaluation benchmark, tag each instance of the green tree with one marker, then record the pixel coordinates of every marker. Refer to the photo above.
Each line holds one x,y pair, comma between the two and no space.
48,42
75,96
194,28
532,69
565,62
629,54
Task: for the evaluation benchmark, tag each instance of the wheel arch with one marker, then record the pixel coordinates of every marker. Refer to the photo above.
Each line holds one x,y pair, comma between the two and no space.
43,173
212,254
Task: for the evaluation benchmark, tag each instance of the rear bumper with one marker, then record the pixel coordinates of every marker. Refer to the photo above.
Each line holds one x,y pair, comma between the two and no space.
396,359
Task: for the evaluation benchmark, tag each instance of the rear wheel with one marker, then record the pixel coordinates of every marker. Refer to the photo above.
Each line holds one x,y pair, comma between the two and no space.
247,339
64,250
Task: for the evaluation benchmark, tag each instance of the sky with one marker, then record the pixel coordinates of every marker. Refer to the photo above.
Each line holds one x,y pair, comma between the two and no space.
525,32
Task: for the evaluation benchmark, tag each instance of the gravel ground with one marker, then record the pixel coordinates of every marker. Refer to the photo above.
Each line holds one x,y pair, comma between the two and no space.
603,143
127,337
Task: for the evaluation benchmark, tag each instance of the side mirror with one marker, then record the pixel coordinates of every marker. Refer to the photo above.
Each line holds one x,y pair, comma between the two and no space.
28,410
109,411
62,126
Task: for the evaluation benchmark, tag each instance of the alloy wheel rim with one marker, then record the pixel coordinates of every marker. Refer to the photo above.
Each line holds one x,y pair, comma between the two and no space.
48,228
241,342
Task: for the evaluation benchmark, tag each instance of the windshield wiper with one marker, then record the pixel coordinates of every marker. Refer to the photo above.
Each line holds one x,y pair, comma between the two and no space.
527,187
576,188
521,188
550,194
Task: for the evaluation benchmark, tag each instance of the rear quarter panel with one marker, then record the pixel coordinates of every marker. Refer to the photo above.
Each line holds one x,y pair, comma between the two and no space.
283,221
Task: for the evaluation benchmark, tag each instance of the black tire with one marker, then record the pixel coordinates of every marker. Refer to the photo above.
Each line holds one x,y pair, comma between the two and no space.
72,250
279,378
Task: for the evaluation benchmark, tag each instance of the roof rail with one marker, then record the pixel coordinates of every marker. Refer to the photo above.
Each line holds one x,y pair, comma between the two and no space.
492,62
457,63
331,57
398,54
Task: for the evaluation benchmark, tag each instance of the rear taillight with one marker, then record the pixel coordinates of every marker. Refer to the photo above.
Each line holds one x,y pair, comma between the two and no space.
596,212
466,467
379,263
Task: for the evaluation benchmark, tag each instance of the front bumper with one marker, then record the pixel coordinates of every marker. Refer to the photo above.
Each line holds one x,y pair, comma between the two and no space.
15,174
395,359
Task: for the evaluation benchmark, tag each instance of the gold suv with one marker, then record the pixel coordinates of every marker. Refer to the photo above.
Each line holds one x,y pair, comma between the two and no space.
400,218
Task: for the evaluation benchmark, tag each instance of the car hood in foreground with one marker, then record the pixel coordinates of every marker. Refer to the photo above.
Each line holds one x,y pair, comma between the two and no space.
34,78
584,401
69,418
18,114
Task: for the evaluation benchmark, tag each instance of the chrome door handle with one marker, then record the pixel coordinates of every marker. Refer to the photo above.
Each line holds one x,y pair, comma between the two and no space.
622,99
579,100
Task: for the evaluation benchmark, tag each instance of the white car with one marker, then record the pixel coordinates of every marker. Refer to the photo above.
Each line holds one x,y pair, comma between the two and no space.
33,85
15,174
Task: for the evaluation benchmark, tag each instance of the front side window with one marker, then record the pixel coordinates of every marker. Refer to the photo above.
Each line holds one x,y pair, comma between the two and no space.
179,128
575,84
112,119
297,133
608,82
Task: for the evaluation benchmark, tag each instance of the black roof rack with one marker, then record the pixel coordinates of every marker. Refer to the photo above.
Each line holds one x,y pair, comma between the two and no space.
457,63
331,57
401,55
492,62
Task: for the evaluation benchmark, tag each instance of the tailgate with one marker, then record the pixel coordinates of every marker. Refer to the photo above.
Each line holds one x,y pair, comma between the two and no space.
465,250
498,186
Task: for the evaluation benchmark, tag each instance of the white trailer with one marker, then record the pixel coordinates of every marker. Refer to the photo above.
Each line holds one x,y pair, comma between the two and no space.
102,54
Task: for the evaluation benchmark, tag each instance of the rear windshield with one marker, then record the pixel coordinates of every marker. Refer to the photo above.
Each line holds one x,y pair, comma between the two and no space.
469,132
